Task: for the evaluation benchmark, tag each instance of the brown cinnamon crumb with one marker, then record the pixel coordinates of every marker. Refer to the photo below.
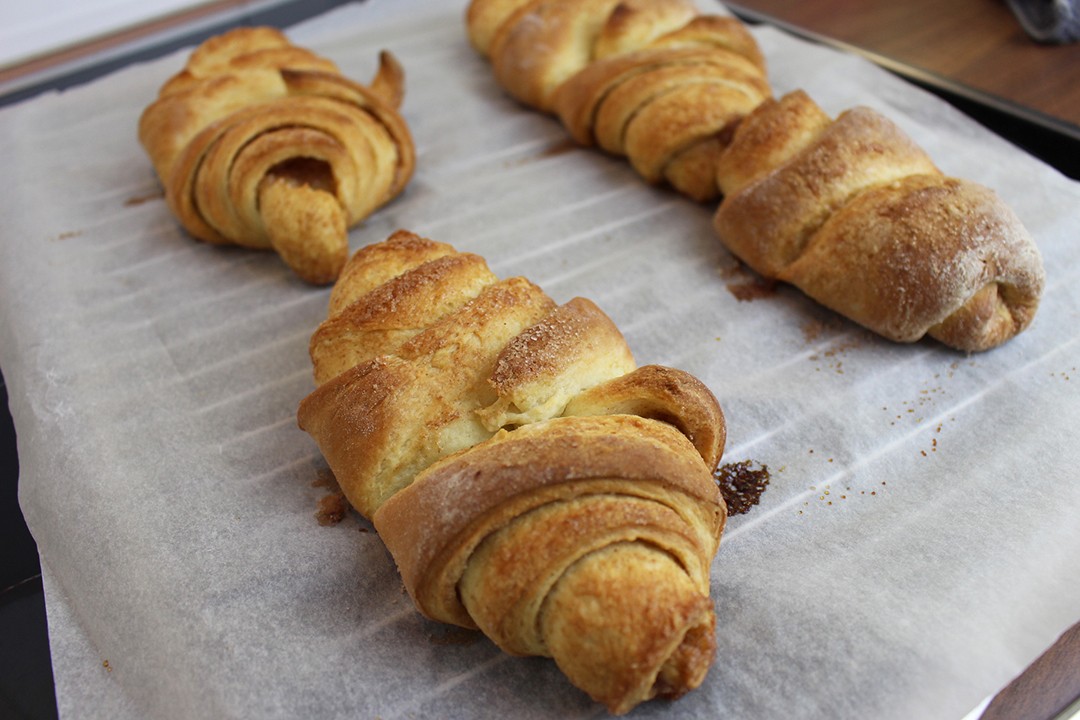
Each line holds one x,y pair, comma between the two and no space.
745,284
731,269
559,147
812,330
140,199
741,485
332,509
754,288
325,479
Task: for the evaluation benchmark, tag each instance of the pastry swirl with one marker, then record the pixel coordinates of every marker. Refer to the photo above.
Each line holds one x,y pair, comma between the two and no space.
264,144
652,80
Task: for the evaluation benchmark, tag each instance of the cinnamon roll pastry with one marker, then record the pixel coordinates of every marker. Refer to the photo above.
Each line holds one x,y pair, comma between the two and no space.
652,80
264,144
528,478
855,214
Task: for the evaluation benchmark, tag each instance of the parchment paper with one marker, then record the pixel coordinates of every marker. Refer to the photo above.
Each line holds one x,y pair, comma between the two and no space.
917,546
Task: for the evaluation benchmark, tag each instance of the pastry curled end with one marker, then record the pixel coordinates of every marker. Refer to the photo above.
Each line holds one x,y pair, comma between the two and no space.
527,477
650,80
620,517
852,212
264,144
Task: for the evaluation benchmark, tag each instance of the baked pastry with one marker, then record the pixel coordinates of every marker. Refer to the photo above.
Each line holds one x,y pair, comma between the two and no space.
652,80
264,144
852,212
856,215
527,477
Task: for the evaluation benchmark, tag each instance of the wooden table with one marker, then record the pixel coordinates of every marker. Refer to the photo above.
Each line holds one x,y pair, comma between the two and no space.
973,52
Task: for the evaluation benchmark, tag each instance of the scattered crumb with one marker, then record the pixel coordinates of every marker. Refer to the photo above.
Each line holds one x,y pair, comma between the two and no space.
834,354
814,328
105,664
1064,375
560,147
729,270
140,199
755,289
742,485
332,509
745,284
324,478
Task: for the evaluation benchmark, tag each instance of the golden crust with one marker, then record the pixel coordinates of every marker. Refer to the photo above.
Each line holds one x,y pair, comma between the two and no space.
383,319
573,348
243,137
661,393
769,223
357,420
856,215
715,31
651,80
632,25
378,263
926,255
543,43
768,137
483,18
439,379
680,118
648,633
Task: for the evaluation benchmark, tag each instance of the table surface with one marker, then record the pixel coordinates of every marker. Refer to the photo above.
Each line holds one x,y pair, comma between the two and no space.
973,52
976,43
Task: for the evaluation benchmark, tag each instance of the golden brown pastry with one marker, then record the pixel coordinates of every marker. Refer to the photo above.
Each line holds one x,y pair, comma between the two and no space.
264,144
856,215
851,211
652,80
528,478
